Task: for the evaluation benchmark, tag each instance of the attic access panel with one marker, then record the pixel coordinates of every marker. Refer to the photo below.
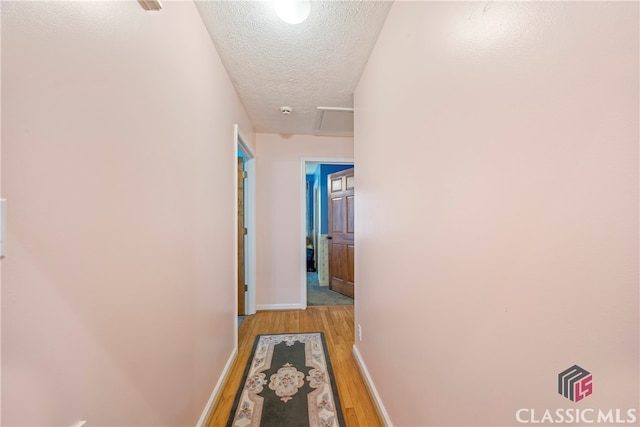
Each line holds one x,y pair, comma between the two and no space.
334,121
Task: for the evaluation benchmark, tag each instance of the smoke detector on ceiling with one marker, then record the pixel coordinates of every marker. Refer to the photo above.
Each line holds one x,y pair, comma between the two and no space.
286,110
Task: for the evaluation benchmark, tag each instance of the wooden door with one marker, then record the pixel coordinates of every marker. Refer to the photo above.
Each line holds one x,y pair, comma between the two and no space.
341,232
242,231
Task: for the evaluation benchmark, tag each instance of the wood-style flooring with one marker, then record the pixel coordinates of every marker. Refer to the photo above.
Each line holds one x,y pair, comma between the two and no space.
336,322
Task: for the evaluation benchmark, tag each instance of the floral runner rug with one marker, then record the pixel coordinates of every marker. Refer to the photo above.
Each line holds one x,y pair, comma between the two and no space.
288,382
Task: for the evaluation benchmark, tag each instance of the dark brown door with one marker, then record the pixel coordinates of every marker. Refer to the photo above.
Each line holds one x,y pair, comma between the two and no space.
341,232
241,234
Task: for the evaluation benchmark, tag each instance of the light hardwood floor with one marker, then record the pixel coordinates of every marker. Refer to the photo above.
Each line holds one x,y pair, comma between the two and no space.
336,322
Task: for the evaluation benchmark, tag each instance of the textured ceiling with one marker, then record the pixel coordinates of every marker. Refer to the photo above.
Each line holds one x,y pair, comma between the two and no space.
316,63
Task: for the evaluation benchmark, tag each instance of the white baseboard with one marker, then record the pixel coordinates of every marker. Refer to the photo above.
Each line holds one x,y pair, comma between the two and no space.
217,388
372,388
281,307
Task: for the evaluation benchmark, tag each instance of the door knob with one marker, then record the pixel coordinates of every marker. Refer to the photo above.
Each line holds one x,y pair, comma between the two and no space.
329,238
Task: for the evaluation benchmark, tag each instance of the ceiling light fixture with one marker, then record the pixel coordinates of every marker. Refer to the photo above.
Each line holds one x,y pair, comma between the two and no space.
292,11
150,4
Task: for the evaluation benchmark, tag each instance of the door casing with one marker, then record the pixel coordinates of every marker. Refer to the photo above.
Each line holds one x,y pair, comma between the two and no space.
250,222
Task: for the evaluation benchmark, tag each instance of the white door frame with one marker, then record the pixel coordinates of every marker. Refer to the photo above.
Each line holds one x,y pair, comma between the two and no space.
303,214
250,221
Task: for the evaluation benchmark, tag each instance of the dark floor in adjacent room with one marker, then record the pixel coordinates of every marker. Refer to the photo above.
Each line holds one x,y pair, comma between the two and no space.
322,295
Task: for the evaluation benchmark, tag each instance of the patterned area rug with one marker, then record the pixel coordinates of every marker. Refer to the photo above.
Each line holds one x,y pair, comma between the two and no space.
288,382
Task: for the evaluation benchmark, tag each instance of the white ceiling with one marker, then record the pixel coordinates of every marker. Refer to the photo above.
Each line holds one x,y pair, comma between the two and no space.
316,63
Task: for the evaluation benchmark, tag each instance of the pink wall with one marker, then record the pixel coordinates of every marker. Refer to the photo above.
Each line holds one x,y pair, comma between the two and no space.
279,180
118,291
497,222
0,196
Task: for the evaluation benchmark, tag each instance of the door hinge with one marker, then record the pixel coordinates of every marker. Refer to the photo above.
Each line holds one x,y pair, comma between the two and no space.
244,231
244,174
246,288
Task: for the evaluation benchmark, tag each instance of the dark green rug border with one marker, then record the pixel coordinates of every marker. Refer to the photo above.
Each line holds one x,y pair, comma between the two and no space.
332,378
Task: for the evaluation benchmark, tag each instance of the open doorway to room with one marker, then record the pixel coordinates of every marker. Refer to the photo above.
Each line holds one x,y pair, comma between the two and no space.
246,228
317,234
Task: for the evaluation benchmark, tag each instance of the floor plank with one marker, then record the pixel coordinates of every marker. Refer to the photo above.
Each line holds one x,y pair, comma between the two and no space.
336,322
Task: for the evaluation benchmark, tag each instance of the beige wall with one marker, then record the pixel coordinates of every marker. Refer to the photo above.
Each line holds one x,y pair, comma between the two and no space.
280,268
118,162
497,221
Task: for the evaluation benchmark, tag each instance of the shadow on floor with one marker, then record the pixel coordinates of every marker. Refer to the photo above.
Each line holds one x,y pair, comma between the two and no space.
322,295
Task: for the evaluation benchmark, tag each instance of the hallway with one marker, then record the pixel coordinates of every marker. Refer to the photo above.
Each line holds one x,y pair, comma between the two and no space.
337,325
497,211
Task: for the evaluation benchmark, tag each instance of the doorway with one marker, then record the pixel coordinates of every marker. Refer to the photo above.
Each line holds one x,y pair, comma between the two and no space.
315,234
246,227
